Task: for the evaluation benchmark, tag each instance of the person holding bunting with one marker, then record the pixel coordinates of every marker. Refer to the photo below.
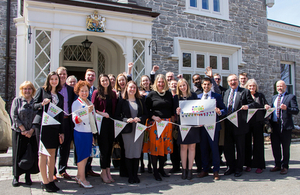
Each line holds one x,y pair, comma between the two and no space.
159,103
50,135
188,144
83,131
206,142
131,109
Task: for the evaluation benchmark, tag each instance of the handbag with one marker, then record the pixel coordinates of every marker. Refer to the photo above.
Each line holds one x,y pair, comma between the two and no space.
116,151
95,152
27,160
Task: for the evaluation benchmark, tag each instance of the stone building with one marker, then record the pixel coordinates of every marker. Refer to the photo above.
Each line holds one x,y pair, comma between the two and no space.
231,36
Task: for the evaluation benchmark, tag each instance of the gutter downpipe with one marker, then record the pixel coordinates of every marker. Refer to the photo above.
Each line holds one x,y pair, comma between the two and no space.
7,57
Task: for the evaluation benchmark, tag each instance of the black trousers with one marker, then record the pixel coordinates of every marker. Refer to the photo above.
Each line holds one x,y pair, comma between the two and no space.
234,142
281,139
257,151
175,156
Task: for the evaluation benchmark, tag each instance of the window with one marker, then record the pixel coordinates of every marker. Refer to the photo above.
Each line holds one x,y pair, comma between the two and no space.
210,8
138,69
77,53
287,75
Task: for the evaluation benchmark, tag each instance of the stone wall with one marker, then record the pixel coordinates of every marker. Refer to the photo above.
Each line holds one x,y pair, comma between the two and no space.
276,55
12,64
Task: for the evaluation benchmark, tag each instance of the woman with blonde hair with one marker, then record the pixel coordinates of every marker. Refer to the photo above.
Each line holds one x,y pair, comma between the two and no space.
23,134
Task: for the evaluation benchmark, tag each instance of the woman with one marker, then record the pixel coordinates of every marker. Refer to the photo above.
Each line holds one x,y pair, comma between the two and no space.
121,82
159,104
112,79
50,135
188,145
131,109
83,130
256,125
23,133
105,101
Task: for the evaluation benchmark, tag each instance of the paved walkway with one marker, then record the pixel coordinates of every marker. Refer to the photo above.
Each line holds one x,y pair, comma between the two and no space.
248,183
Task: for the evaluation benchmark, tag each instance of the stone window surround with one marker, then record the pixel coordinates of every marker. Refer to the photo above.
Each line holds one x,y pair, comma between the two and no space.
223,14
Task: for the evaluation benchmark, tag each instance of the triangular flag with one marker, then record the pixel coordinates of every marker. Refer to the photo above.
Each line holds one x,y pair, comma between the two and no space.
184,130
139,129
251,112
83,114
160,127
210,130
43,150
233,118
269,111
99,122
49,120
119,126
53,110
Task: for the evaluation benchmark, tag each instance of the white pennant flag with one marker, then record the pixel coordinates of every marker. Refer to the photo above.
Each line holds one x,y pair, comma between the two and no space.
83,114
251,112
211,130
139,129
233,118
269,111
43,150
49,120
53,110
160,127
99,122
119,126
184,130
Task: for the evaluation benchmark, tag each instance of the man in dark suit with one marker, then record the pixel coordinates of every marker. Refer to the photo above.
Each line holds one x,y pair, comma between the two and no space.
206,143
217,78
236,98
282,123
64,149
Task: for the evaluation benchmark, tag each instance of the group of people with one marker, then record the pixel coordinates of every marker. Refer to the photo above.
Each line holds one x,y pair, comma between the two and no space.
155,99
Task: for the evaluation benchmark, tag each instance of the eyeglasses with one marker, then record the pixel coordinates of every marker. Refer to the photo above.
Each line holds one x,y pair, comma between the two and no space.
217,79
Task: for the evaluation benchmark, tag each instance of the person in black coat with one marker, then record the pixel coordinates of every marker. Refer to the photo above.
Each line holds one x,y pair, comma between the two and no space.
50,135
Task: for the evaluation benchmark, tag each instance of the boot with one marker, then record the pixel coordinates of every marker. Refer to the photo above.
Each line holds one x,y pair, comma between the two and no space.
183,176
190,174
28,179
155,171
129,166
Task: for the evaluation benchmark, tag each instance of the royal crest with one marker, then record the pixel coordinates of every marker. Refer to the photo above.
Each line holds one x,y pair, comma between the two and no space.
95,22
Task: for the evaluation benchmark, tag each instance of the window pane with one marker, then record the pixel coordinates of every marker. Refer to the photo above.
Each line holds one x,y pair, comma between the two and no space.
224,82
193,3
200,61
225,63
186,60
188,78
213,62
285,73
205,4
217,5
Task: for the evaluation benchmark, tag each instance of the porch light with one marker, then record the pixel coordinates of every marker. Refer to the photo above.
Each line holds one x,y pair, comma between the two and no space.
86,44
270,3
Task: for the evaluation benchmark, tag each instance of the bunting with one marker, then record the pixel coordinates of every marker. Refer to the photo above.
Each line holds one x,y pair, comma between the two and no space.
119,126
53,110
160,127
99,119
184,130
139,129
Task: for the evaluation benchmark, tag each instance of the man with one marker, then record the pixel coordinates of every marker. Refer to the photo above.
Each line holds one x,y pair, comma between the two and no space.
170,76
243,78
64,149
217,78
173,86
236,98
282,123
197,82
206,142
71,81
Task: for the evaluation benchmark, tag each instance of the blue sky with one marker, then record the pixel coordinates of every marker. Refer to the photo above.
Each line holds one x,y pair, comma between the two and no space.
285,11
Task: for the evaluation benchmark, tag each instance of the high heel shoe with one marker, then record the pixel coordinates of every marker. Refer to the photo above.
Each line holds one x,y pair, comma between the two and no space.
83,185
47,187
54,186
15,182
105,180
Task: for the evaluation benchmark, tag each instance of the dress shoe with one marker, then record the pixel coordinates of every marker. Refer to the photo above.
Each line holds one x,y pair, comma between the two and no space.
65,176
48,187
183,176
105,179
55,178
28,180
216,176
136,179
284,171
248,169
92,173
173,170
163,173
54,186
15,182
157,176
237,174
275,169
84,185
258,170
131,180
190,174
229,171
202,174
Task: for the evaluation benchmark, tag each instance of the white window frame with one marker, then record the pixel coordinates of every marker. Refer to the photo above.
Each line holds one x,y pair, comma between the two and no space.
223,14
292,65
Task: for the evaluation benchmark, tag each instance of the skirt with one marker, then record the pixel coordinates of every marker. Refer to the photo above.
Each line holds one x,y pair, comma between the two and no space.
83,144
159,146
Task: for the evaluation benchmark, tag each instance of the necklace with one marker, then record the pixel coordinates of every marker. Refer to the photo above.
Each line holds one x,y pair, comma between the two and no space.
184,98
161,94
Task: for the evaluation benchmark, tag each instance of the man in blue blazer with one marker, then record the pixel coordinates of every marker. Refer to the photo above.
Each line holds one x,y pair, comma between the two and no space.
205,139
282,123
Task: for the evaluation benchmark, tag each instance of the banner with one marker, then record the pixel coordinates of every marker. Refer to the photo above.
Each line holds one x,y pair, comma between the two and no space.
48,120
211,130
119,126
233,118
197,112
83,114
160,127
43,150
53,110
251,112
139,129
99,119
184,130
269,111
